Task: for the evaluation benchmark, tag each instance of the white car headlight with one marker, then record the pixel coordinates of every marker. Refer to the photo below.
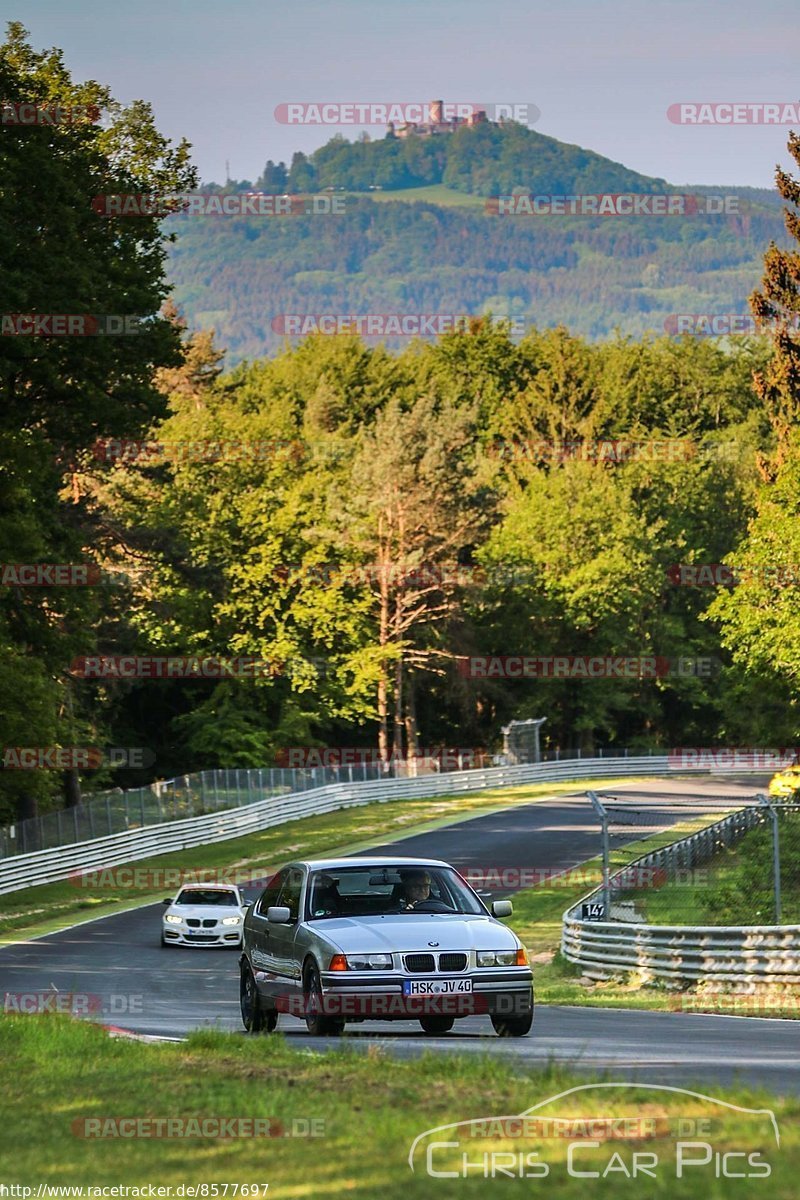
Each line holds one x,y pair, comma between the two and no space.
171,919
231,920
369,962
499,958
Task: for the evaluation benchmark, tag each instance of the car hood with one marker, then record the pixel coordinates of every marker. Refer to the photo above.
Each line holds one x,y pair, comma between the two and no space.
204,911
401,933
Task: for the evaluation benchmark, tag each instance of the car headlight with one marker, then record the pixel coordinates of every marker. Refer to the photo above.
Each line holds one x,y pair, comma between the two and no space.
502,958
369,962
231,920
171,919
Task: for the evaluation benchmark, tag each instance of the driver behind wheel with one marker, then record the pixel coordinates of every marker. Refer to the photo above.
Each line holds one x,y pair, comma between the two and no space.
416,888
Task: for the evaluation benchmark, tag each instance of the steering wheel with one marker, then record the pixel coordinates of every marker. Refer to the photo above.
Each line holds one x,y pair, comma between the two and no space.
431,906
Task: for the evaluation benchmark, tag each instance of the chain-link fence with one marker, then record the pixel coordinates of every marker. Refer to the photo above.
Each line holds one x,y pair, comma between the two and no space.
213,790
739,869
172,799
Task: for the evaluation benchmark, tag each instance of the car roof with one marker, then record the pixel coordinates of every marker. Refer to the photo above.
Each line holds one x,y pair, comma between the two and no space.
329,864
209,887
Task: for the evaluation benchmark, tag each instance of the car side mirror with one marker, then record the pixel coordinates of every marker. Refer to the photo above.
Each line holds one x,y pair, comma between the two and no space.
167,901
278,914
502,908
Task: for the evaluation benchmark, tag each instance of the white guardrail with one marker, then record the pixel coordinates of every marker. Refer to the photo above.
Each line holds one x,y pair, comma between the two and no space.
743,955
62,862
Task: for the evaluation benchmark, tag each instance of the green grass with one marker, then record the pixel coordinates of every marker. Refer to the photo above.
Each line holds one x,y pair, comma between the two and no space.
736,887
45,908
537,921
368,1108
435,194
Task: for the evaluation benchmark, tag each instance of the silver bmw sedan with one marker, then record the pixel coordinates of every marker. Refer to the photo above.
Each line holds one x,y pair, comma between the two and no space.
354,939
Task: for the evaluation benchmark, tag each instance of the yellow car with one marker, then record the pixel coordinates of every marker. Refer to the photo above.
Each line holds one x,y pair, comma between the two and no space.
786,784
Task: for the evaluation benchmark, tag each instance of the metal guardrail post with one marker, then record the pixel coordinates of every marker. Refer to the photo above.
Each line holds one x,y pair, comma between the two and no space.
603,815
776,853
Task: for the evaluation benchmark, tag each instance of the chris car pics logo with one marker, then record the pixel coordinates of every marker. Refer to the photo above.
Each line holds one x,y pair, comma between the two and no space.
595,1132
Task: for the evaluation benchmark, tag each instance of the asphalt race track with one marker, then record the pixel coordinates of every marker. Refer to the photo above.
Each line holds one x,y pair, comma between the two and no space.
137,985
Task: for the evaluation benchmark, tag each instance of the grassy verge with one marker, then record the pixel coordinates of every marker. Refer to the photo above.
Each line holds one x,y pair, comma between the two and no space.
434,194
366,1111
736,888
537,921
45,908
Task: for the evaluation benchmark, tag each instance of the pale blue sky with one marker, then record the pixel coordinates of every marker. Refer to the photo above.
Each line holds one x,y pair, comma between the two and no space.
602,72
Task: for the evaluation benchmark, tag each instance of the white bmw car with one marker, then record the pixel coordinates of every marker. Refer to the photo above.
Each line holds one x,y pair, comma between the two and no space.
204,915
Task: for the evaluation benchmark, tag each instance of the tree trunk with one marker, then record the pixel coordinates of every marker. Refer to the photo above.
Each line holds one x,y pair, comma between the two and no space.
397,731
72,787
383,699
412,742
27,807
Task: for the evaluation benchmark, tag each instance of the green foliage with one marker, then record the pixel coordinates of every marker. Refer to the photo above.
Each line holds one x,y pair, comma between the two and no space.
61,257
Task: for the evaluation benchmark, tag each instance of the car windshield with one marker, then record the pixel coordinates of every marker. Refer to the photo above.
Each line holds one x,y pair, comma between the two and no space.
194,896
383,891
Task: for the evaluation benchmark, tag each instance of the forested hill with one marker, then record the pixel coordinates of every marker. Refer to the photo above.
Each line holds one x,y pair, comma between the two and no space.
427,242
483,161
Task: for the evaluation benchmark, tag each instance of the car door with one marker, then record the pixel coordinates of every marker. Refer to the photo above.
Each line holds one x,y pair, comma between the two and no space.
283,953
259,936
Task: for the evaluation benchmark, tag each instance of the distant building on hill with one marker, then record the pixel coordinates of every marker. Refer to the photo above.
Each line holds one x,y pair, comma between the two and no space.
438,123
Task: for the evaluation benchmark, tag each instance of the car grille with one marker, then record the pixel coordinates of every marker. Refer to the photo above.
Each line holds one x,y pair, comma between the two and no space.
428,962
420,962
193,921
209,922
201,937
452,962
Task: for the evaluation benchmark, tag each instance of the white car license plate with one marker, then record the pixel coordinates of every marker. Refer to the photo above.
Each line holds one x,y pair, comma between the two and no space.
436,987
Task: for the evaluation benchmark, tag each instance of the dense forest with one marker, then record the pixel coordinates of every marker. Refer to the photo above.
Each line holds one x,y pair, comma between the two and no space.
597,275
362,522
432,251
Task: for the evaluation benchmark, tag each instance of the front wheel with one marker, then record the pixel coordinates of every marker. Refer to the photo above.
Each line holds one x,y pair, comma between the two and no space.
317,1023
434,1025
513,1026
254,1019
